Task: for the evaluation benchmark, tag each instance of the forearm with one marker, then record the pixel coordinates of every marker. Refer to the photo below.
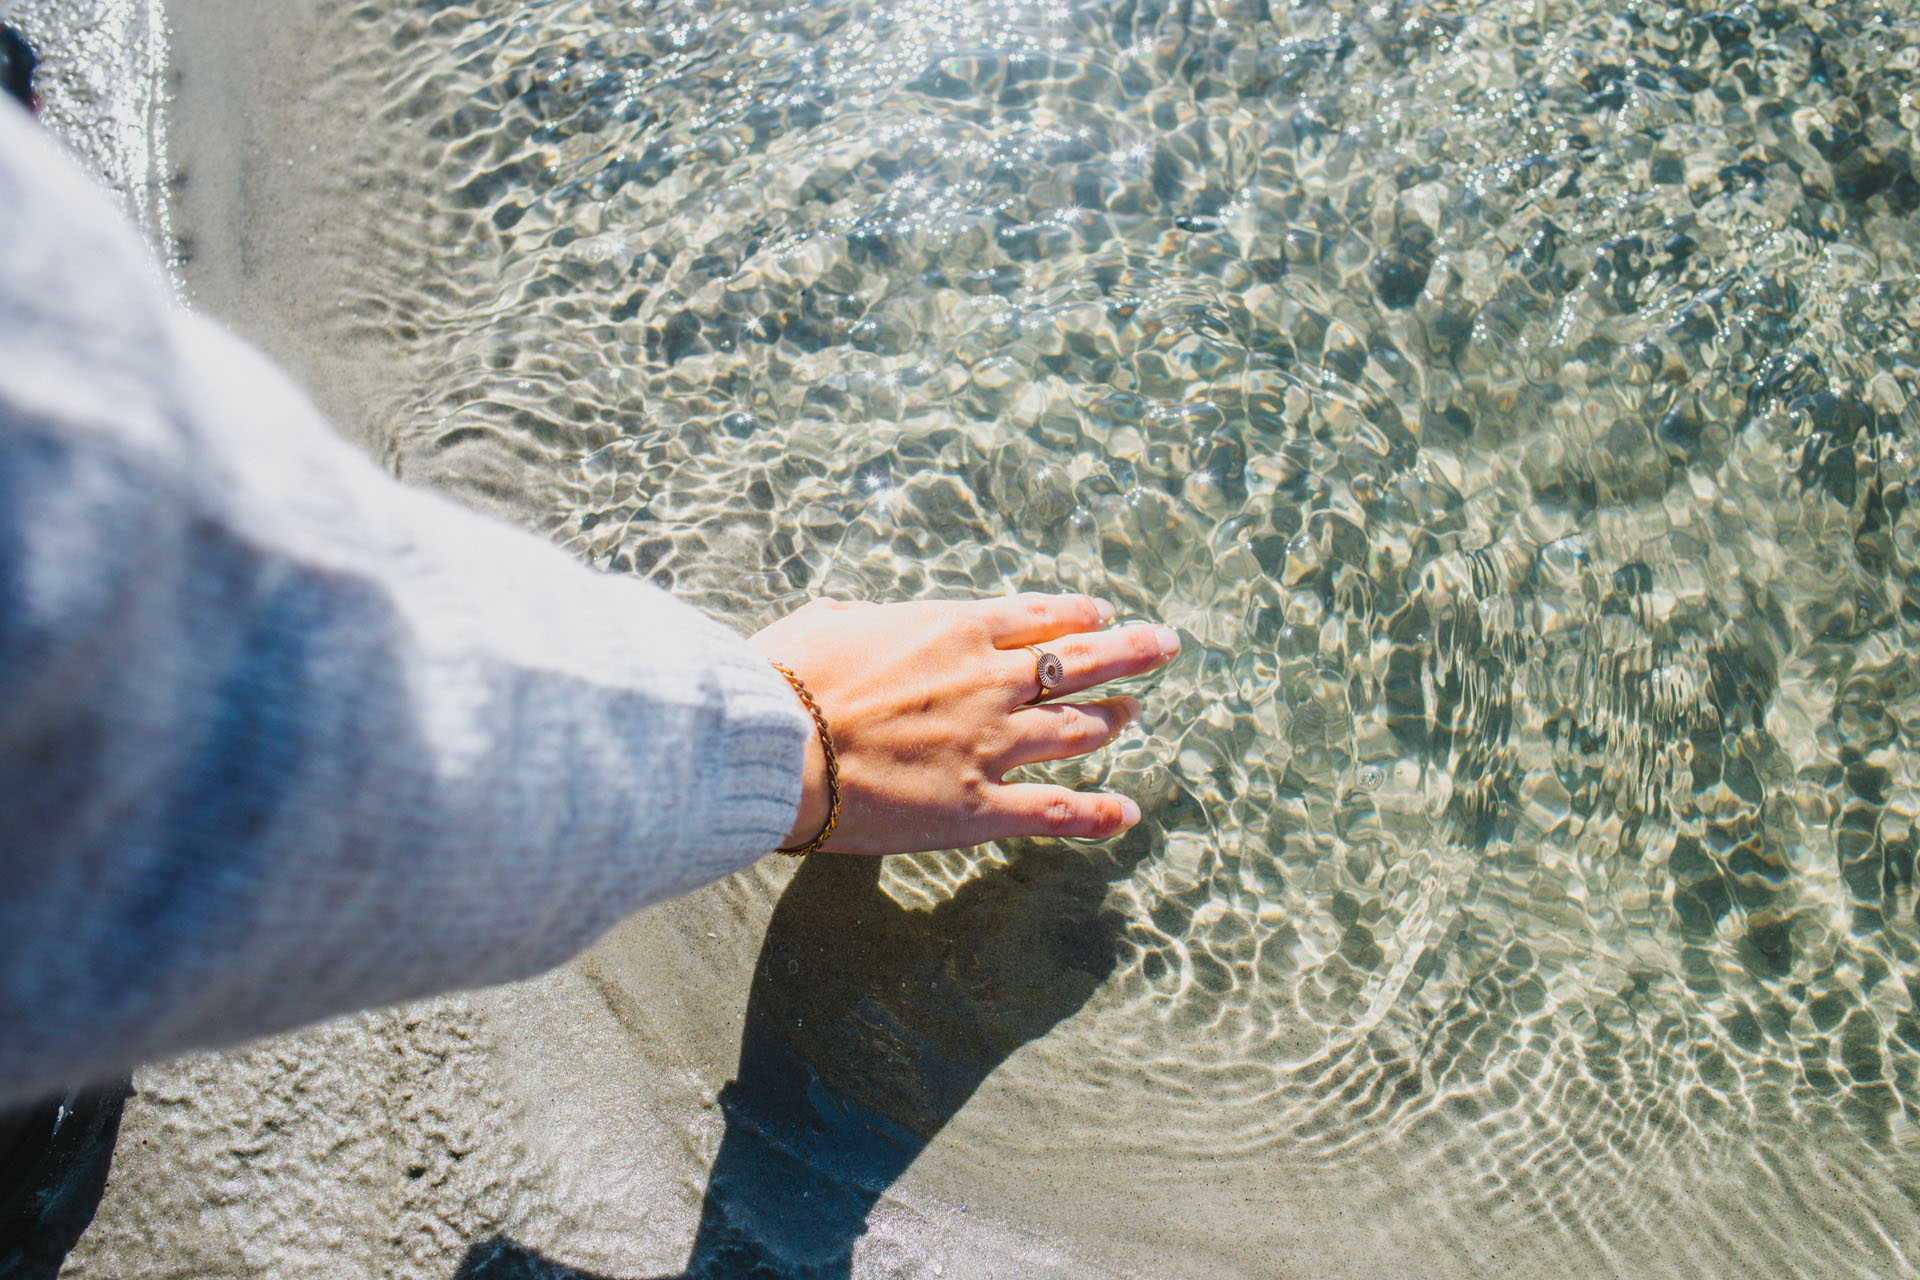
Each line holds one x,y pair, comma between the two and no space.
278,737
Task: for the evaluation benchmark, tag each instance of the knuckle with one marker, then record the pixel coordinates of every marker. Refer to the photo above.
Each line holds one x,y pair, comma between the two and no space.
977,784
1060,816
1142,644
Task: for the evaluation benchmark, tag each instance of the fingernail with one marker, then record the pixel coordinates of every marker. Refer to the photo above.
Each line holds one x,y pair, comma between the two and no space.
1169,640
1105,609
1131,708
1129,811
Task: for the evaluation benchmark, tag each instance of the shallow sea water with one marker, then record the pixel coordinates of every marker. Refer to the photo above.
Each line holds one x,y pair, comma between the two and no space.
1511,403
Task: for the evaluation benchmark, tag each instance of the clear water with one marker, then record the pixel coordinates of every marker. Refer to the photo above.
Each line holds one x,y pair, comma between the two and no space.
1510,402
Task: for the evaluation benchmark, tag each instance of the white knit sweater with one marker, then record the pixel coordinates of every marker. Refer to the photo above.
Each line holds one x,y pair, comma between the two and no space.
280,737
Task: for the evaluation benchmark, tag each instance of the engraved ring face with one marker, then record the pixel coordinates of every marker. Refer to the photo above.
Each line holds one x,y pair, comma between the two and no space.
1047,670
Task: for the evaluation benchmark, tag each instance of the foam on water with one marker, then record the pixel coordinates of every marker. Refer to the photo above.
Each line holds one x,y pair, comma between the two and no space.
1510,402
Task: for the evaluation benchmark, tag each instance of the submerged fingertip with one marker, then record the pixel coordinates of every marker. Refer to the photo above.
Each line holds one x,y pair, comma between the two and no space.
1129,812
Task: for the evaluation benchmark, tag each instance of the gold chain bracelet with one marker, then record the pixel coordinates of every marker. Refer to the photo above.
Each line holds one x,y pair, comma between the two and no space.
833,766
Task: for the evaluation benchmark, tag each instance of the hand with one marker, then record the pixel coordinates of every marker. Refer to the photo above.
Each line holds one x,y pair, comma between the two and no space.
927,702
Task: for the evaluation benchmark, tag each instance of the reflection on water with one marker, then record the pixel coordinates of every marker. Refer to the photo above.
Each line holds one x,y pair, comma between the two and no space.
1509,401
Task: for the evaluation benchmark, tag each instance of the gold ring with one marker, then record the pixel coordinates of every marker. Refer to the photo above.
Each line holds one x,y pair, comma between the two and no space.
1048,672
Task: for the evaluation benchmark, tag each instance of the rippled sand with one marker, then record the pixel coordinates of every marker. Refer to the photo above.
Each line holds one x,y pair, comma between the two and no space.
1511,403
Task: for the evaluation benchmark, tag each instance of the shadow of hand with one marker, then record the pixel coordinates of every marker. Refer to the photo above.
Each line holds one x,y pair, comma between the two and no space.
903,1013
868,1027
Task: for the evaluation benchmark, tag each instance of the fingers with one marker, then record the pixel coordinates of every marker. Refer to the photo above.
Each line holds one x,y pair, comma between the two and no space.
1060,731
1032,618
1036,809
1098,657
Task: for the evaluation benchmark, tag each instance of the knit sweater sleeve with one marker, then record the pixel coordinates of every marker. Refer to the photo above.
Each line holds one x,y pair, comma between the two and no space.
280,737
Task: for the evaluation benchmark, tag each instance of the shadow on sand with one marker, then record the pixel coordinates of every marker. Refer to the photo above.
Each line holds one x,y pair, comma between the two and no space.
868,1027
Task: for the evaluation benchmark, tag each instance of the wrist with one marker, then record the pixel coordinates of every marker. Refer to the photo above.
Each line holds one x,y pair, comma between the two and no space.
812,814
819,809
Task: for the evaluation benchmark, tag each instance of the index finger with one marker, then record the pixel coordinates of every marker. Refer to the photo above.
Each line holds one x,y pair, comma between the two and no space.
1034,617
